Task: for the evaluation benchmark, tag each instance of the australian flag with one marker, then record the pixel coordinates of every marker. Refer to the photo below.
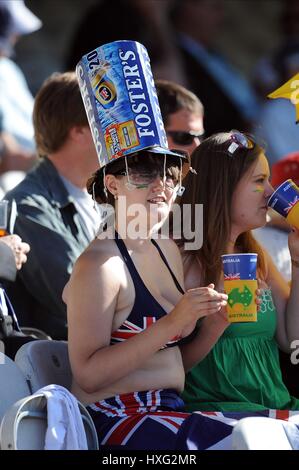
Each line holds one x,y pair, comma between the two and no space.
213,430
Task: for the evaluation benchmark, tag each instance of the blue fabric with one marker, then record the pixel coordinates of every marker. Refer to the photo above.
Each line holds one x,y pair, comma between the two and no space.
156,420
146,310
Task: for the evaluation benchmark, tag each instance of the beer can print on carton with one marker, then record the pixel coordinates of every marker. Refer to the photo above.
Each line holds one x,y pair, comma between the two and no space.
120,99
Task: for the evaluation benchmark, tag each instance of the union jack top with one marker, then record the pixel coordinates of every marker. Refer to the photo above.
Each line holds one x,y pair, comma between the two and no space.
146,309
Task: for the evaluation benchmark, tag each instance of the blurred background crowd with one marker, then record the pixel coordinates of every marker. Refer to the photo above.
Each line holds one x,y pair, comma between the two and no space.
231,53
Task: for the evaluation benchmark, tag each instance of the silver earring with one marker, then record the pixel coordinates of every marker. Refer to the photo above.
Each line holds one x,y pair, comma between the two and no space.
181,188
94,195
95,204
181,191
104,183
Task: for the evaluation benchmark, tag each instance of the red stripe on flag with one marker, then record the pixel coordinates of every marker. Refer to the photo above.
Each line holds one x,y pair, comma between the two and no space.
123,429
170,421
282,414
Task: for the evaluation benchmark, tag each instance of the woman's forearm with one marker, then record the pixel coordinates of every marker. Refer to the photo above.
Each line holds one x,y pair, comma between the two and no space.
211,328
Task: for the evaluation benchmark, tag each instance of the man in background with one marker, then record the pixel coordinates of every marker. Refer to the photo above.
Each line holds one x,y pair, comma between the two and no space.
16,102
55,213
182,114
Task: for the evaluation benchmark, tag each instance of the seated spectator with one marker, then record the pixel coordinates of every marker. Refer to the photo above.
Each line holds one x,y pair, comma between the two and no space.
242,371
16,101
126,354
274,235
228,99
182,114
13,254
55,214
267,73
143,21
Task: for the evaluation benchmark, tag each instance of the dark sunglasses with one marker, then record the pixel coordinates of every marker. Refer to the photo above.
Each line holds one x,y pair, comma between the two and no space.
237,141
185,138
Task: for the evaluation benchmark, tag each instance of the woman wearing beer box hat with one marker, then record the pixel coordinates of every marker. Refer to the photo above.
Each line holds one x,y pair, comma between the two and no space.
131,324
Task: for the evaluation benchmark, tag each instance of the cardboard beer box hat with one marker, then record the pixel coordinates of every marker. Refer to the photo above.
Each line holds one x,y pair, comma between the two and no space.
120,99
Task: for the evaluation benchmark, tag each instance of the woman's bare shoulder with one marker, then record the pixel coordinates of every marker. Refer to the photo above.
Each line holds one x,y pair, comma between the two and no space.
168,246
100,250
99,265
101,256
192,270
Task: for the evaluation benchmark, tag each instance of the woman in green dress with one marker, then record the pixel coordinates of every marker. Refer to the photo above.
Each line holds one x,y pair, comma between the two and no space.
242,371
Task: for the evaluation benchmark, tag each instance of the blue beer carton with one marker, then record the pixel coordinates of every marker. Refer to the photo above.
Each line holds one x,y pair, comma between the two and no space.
120,99
239,266
284,198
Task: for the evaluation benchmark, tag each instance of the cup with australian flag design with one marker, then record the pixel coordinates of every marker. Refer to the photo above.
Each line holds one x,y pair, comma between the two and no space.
240,285
285,201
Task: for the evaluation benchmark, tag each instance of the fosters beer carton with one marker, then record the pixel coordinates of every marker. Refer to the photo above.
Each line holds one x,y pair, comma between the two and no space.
120,99
285,201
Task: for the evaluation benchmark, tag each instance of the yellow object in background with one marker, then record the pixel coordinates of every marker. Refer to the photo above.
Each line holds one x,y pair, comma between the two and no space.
293,216
289,91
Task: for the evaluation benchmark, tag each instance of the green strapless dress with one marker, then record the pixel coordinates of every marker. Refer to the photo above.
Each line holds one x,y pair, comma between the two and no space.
242,371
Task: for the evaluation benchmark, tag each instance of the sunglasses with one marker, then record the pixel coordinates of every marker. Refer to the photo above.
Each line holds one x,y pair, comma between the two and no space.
237,141
140,180
185,138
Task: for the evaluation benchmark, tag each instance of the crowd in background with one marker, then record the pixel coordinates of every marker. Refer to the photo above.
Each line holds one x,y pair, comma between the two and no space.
47,152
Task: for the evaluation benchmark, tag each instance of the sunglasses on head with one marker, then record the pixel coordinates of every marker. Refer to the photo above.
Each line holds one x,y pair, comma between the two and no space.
185,138
237,141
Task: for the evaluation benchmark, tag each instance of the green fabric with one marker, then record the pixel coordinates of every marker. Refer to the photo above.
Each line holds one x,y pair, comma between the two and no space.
242,371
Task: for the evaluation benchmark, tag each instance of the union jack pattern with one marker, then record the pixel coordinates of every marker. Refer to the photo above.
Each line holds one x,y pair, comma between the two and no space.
155,420
128,330
291,204
231,277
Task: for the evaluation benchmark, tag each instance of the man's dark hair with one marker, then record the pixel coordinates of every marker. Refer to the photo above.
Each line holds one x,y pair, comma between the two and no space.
174,97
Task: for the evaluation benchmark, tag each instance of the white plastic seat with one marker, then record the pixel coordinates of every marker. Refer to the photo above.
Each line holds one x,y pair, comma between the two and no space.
259,433
24,425
45,362
42,362
13,385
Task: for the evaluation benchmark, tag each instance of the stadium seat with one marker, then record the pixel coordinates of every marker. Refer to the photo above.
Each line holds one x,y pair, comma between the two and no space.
24,416
13,384
259,433
45,362
24,425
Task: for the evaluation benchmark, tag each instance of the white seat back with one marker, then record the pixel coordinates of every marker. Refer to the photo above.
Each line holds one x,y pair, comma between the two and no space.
13,385
259,433
45,362
24,425
42,362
